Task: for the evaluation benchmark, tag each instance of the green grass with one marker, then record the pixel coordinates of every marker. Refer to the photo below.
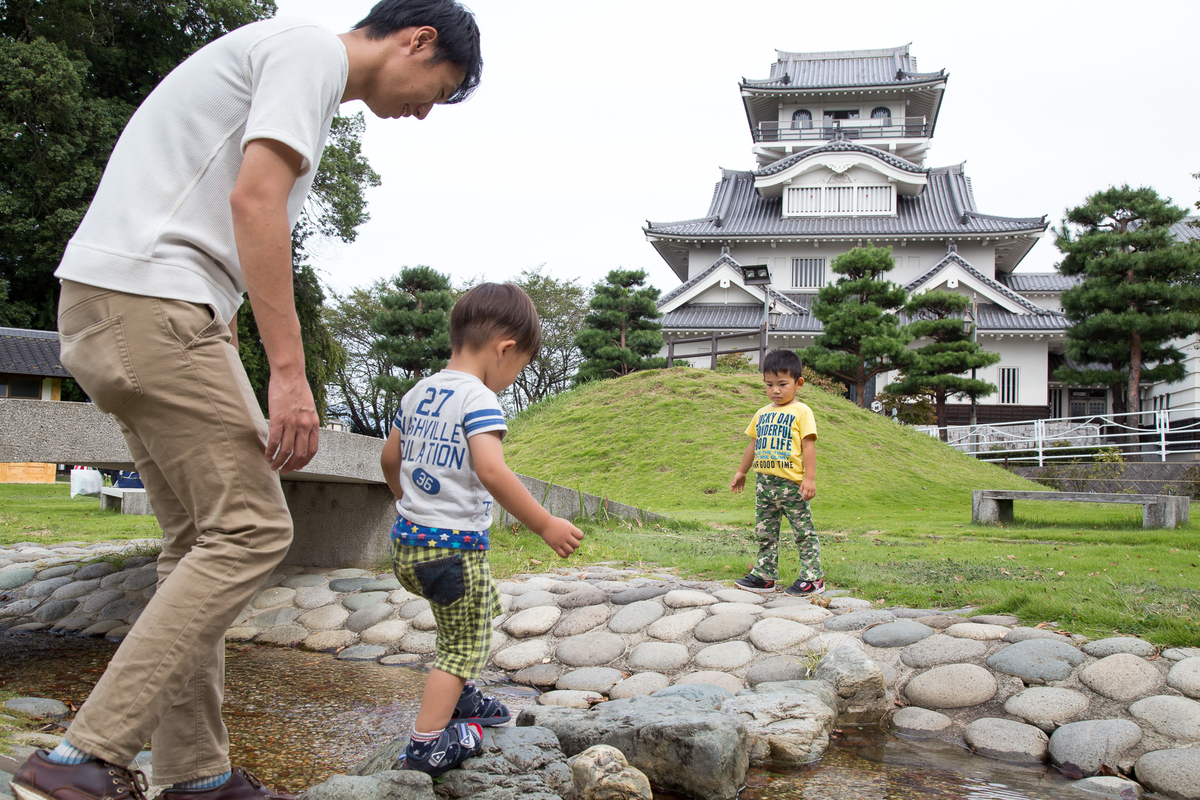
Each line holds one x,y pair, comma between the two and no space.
46,513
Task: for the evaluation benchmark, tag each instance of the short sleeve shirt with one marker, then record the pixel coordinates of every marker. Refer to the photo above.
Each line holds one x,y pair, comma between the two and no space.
777,432
436,418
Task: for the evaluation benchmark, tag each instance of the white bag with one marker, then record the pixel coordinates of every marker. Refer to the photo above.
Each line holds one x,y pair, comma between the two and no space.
86,481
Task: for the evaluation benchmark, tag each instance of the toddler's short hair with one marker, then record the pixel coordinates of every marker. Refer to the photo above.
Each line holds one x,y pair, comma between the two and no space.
495,309
783,362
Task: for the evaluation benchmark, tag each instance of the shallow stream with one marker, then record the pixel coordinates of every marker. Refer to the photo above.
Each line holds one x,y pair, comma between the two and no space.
295,718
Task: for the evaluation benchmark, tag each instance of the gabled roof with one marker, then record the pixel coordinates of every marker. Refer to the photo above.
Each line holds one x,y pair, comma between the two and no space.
1038,281
841,146
954,258
783,302
1187,229
889,66
735,316
29,352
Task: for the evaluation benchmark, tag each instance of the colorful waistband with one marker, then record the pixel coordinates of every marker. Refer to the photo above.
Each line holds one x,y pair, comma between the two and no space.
410,533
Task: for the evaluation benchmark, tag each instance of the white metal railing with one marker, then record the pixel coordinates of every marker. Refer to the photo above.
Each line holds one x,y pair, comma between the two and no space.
870,128
1151,435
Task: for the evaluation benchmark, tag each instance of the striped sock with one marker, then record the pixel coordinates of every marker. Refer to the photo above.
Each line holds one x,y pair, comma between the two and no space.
202,784
68,754
420,744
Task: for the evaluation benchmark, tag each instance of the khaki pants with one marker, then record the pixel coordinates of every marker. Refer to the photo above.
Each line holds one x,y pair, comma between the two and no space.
166,371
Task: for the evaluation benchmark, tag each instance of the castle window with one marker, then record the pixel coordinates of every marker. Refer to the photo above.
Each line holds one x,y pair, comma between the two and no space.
808,273
839,201
802,118
20,386
1008,385
881,112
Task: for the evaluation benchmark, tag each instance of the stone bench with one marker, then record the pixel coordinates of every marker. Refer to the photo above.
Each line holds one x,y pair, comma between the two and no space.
125,501
1158,510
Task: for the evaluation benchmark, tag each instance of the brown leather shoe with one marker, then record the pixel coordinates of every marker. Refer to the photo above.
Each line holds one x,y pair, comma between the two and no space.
240,786
42,779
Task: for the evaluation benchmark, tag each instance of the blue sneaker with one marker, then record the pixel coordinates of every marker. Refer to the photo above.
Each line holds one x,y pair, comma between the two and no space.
805,588
475,706
458,742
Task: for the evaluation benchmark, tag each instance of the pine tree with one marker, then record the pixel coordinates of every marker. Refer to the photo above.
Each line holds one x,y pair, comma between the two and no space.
862,336
1139,292
938,368
622,334
414,327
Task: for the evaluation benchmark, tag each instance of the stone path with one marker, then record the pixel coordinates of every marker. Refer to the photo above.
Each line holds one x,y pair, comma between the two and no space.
583,636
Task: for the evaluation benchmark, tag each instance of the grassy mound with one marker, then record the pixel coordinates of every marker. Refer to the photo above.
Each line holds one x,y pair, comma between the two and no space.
670,440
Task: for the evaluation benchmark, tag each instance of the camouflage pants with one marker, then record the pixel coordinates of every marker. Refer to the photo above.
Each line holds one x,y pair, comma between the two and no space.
774,498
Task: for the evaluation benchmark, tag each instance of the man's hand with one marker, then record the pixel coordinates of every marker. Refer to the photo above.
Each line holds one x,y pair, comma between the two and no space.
294,422
561,536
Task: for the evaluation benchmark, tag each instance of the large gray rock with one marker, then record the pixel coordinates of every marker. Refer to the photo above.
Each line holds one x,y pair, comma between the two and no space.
921,722
1176,717
1122,677
773,635
580,621
900,633
787,727
636,616
1047,707
676,743
1171,773
1080,749
603,773
1006,740
657,657
941,649
38,707
857,681
723,627
590,649
1037,660
390,785
951,686
776,669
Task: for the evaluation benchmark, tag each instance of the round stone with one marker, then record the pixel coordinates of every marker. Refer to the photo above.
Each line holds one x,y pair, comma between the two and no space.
1081,748
356,602
1110,786
425,621
19,608
590,679
287,635
977,631
310,597
15,578
569,699
275,596
343,585
640,593
857,620
127,607
538,597
940,622
48,587
725,656
523,654
55,610
804,614
636,616
951,686
590,649
140,579
38,707
540,675
658,657
389,583
1006,740
235,634
1171,773
1119,644
325,618
414,608
642,683
1180,653
98,600
351,572
688,598
1176,717
514,588
57,572
1037,660
75,589
735,608
722,627
721,680
115,579
1007,620
1185,677
582,598
72,624
920,722
362,652
900,633
97,569
366,617
101,628
304,581
676,625
739,596
1122,677
851,603
580,621
828,642
776,634
419,643
941,649
531,621
328,641
1025,634
775,670
1047,707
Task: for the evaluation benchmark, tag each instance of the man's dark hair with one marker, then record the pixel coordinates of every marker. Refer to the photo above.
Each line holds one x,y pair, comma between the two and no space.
783,362
457,39
495,309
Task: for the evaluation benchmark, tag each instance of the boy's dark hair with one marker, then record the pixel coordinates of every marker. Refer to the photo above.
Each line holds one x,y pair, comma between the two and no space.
457,39
495,309
783,362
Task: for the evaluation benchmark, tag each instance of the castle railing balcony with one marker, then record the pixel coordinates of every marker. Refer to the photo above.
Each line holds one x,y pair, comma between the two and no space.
817,130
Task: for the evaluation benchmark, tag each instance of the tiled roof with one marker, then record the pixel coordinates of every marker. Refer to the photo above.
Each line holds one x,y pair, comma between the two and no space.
945,207
977,275
1187,229
1038,281
733,317
783,301
27,352
841,146
890,66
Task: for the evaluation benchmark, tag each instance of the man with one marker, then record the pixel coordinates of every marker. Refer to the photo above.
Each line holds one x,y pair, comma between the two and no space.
196,207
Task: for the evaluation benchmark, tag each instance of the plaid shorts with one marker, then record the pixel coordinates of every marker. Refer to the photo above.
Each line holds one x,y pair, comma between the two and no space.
459,587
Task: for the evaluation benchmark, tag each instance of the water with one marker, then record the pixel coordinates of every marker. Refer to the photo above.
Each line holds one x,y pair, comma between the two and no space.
295,718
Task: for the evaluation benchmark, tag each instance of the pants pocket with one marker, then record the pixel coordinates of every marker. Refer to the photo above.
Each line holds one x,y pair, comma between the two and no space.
441,580
98,358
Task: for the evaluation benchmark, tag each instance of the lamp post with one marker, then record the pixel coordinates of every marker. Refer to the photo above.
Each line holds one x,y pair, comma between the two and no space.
760,275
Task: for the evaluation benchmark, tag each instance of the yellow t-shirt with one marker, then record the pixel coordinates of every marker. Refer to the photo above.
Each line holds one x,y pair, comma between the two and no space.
777,432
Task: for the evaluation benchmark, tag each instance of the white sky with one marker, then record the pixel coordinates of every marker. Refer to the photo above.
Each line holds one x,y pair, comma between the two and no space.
594,117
